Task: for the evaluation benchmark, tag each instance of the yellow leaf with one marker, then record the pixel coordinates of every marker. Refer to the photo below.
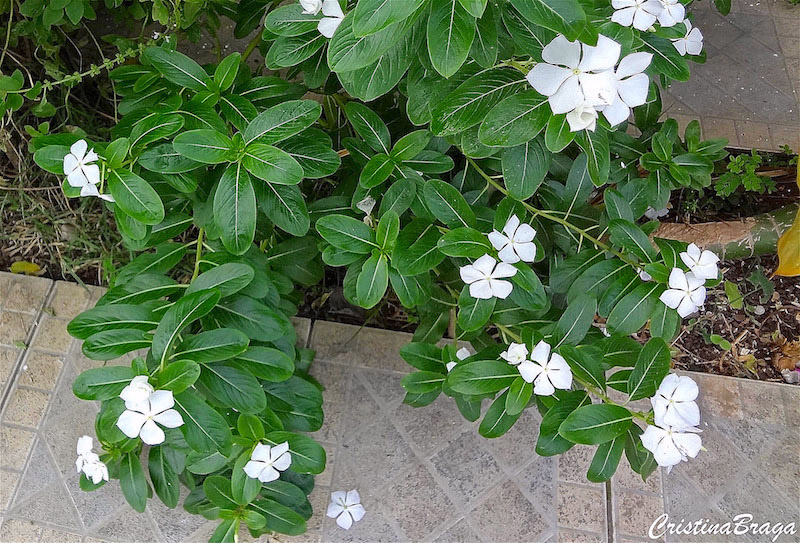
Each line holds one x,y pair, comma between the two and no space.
789,250
28,268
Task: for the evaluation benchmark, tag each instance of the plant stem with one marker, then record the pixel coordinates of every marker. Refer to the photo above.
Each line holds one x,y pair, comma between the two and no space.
198,254
544,214
251,47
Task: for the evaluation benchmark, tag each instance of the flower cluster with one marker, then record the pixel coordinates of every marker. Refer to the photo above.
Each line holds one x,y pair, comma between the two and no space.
643,14
89,462
547,371
145,410
673,439
687,291
81,172
581,81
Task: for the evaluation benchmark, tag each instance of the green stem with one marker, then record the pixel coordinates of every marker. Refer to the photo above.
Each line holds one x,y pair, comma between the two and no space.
251,47
546,215
198,254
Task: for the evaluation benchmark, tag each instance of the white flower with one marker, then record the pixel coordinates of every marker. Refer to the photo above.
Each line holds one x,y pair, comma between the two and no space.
702,264
573,73
653,214
672,13
89,463
515,243
137,392
333,18
367,204
461,354
546,371
582,117
670,446
643,275
78,168
631,87
311,7
141,420
484,278
515,354
674,403
691,42
686,292
639,13
266,462
346,508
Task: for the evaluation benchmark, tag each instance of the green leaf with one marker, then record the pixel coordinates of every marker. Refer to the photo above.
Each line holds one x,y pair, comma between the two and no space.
515,120
164,158
464,242
111,317
416,250
266,363
666,59
371,16
562,16
185,311
471,101
226,71
258,321
628,235
650,369
111,344
205,146
213,345
595,146
288,51
312,150
664,322
218,491
346,233
102,383
291,21
203,427
225,532
135,196
377,170
369,126
584,365
481,377
235,209
178,375
282,121
606,459
285,206
571,328
423,356
271,164
308,456
557,135
178,68
423,382
280,518
133,482
372,281
524,168
633,310
595,424
474,313
595,280
448,205
164,476
519,394
244,489
227,278
498,420
550,442
153,129
348,52
410,145
387,231
451,30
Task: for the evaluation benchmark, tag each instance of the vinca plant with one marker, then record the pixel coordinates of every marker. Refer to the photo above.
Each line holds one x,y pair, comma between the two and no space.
496,166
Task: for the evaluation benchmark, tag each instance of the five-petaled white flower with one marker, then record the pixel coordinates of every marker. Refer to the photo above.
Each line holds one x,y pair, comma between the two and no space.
686,292
346,508
80,171
311,7
575,74
136,392
702,264
484,278
267,462
674,403
691,43
546,371
144,419
515,354
641,14
671,446
631,87
333,18
461,354
583,117
89,463
515,243
672,13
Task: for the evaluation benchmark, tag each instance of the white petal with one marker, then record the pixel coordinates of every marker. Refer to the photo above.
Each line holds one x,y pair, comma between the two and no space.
498,240
161,400
693,282
526,251
541,352
278,450
682,414
694,42
508,255
268,474
85,444
334,510
633,90
686,307
698,296
617,112
480,290
338,496
686,390
169,419
672,298
463,353
688,444
92,173
352,497
91,156
707,258
619,4
485,264
70,163
582,118
677,280
598,89
504,270
283,462
106,197
542,386
567,97
633,64
261,453
151,434
501,289
357,511
89,190
511,226
667,454
79,149
546,78
328,25
331,8
643,19
561,377
76,178
253,469
624,16
680,45
660,405
524,233
562,51
344,520
651,437
130,422
602,56
469,274
529,370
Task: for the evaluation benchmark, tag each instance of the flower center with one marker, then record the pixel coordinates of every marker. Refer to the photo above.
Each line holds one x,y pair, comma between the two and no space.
576,71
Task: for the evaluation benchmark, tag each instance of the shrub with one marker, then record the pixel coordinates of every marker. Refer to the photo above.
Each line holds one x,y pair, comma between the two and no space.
472,159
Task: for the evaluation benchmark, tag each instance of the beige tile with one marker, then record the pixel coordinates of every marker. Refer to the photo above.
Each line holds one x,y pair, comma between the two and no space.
26,294
40,370
26,407
8,482
361,346
57,536
753,134
303,328
14,328
8,359
718,397
507,515
15,443
787,27
582,508
719,128
761,402
573,464
785,135
627,479
52,335
69,299
418,504
790,46
568,536
19,531
635,513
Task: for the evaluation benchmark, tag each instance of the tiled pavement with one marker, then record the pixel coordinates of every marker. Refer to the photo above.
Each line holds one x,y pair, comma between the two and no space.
424,474
749,89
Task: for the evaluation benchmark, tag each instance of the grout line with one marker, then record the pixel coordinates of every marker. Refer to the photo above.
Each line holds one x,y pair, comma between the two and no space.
609,512
14,376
